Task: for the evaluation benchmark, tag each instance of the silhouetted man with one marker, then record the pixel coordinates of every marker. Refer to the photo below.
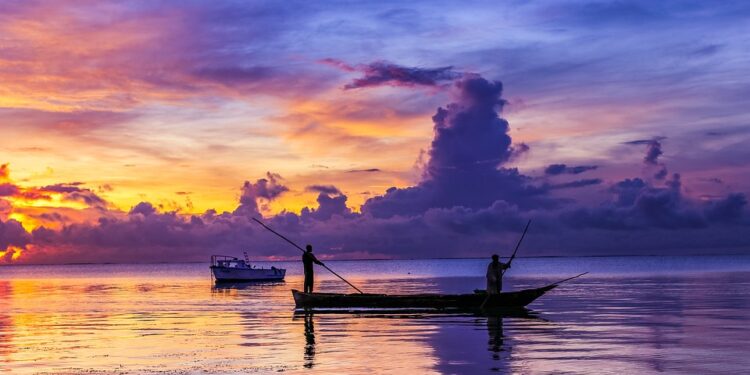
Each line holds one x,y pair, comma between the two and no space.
495,275
307,260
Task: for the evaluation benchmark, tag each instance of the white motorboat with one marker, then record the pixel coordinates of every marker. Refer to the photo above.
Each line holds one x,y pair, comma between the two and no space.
232,269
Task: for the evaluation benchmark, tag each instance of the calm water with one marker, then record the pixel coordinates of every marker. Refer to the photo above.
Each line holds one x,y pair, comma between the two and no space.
630,315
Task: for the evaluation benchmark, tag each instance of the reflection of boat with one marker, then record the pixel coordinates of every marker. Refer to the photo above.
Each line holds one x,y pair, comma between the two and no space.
412,312
231,269
508,300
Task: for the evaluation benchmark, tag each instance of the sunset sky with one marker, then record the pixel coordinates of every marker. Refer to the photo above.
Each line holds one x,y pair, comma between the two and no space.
153,131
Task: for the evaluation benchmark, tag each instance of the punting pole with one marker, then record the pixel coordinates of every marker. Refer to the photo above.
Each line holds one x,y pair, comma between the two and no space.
303,250
570,278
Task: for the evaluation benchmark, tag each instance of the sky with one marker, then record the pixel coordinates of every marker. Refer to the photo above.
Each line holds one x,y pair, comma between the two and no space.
151,131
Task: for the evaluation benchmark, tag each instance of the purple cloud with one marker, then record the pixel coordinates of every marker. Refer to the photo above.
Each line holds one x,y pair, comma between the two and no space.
12,233
653,150
468,202
324,189
265,188
471,143
576,183
557,169
8,189
384,73
73,191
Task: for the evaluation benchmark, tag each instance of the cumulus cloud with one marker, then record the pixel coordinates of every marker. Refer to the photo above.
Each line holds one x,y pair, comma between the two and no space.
266,189
471,143
12,233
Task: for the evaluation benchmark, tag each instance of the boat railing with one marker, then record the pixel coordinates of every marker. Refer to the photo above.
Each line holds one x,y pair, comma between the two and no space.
223,260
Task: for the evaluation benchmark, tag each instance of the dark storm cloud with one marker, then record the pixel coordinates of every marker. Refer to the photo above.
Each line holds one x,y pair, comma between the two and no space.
557,169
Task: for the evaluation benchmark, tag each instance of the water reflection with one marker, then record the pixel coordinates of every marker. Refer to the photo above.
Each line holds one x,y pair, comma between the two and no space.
309,340
495,329
244,285
144,324
6,325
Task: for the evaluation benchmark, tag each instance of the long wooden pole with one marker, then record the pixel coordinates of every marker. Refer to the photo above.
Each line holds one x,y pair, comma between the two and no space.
517,246
570,278
303,250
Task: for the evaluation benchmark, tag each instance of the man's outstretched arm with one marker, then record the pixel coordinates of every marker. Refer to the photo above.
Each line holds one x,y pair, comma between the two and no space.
315,259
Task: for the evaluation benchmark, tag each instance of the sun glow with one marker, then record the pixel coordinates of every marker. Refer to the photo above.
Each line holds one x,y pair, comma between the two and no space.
12,253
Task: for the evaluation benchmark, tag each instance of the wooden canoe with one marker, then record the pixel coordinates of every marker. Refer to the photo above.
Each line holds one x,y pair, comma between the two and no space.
507,300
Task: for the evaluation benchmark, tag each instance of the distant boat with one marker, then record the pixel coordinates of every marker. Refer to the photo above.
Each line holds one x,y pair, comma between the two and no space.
232,269
506,300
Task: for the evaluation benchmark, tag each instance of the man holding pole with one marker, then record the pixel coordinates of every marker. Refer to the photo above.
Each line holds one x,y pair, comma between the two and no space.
495,275
496,269
307,260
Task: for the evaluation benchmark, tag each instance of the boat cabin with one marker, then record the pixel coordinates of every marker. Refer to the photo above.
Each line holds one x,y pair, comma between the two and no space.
225,261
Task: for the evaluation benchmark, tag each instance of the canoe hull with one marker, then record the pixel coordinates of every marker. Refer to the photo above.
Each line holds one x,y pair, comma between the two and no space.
509,300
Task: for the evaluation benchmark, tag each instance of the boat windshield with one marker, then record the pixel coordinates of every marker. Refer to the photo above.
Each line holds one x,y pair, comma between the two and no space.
232,264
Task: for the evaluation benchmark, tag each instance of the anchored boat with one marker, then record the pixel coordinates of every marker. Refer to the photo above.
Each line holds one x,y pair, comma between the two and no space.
232,269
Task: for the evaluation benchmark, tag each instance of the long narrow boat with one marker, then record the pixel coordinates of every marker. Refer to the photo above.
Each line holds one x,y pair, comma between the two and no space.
509,300
477,300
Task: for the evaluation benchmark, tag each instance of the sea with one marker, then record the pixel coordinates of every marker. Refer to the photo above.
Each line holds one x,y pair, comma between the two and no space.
628,315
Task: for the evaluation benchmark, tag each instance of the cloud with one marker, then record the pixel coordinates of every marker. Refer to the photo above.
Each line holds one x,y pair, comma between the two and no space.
576,183
8,189
12,233
367,170
468,201
266,189
384,73
328,206
471,143
557,169
73,192
324,189
653,150
143,208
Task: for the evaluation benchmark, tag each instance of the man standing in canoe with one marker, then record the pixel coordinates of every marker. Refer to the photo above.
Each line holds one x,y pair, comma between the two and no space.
495,275
307,260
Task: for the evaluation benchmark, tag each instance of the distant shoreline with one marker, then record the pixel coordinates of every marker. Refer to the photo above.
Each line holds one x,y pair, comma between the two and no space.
383,259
